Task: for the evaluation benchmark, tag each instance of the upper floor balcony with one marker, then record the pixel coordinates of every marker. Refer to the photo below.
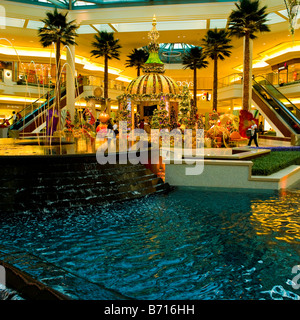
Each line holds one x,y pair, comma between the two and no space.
27,86
231,87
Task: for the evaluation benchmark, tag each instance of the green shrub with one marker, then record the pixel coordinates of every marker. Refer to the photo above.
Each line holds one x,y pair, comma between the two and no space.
274,161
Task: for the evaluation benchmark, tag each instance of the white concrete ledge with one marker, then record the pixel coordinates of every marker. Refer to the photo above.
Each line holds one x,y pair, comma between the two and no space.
232,174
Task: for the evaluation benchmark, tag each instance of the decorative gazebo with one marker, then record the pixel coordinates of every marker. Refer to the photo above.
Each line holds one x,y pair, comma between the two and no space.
146,91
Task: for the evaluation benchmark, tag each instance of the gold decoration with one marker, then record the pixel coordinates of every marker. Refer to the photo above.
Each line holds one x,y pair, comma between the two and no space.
98,92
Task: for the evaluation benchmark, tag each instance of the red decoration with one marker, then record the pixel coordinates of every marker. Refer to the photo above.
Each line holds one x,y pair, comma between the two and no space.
246,118
5,124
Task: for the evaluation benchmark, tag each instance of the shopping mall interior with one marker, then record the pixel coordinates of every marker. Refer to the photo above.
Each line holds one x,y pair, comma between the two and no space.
202,204
275,53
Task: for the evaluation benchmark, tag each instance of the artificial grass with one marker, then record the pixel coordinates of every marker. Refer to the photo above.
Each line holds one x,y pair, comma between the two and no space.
274,161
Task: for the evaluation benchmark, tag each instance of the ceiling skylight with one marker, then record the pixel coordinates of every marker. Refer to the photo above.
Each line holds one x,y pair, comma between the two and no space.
86,29
83,3
284,13
274,18
35,24
162,26
12,22
103,27
218,23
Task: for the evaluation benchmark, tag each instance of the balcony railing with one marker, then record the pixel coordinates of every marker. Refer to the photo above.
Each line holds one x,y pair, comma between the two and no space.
274,78
230,80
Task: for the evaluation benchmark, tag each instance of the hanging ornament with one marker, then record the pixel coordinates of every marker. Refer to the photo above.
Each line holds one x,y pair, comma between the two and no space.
292,7
103,117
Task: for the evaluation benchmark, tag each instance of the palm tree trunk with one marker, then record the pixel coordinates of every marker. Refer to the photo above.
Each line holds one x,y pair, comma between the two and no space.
215,84
138,71
195,88
105,80
58,71
246,73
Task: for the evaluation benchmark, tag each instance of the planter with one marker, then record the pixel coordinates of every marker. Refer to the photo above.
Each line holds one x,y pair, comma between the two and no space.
3,132
14,134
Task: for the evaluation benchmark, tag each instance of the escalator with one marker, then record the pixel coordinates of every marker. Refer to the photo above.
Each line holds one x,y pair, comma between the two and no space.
33,117
280,112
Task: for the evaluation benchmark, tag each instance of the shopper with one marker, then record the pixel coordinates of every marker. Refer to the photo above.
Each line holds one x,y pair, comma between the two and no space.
110,133
115,127
261,128
14,116
253,136
142,124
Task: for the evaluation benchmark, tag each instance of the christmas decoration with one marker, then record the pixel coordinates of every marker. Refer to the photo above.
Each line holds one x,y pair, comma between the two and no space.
160,119
185,109
292,7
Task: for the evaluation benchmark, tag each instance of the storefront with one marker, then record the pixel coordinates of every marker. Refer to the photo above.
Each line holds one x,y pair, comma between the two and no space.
288,71
6,70
39,74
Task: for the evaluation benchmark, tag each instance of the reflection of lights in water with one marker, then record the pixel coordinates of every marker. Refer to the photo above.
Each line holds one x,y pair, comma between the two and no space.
278,217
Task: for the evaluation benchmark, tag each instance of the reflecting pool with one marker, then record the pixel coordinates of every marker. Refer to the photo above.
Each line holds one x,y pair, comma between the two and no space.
189,244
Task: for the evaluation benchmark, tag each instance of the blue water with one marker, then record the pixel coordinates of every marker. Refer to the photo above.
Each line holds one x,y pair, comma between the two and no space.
189,244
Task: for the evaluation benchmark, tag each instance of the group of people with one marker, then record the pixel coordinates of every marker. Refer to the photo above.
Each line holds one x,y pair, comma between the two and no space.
112,130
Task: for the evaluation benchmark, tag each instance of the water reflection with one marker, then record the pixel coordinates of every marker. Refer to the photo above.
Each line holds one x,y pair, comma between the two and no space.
59,146
278,217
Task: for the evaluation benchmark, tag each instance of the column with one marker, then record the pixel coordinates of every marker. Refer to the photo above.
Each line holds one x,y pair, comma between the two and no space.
70,85
250,70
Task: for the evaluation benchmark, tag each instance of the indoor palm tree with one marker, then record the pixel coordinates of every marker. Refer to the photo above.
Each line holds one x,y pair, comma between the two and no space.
194,59
244,22
108,47
137,58
216,46
58,31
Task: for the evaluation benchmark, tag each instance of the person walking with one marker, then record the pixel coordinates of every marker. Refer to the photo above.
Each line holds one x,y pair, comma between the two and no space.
14,116
115,128
253,136
110,133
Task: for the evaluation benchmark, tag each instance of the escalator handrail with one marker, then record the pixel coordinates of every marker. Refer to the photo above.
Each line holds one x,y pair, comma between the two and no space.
282,106
280,93
63,87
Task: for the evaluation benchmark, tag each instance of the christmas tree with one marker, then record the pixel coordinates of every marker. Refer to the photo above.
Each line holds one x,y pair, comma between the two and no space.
184,108
125,115
160,119
76,119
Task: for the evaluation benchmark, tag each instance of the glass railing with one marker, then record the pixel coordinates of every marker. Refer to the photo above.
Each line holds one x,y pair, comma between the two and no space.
33,78
99,82
230,80
289,79
279,103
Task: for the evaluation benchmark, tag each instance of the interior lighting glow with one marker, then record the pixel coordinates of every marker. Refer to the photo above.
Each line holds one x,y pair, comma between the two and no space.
21,99
46,53
124,79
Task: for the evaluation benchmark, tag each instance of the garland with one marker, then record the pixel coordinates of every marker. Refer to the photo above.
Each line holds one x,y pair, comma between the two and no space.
152,97
101,99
